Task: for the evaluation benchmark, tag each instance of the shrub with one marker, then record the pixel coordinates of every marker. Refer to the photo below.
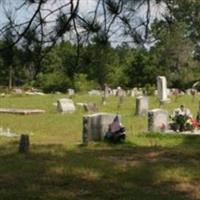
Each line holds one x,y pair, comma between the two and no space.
81,83
149,89
52,82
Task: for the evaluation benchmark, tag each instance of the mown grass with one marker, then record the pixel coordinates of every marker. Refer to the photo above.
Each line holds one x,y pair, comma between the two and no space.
147,166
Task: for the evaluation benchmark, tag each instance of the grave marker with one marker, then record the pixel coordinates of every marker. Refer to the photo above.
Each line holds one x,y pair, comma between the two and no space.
65,105
95,126
24,144
142,105
162,89
157,120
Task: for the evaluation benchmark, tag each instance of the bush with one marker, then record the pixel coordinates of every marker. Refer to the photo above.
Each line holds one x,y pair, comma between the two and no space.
82,84
52,82
149,89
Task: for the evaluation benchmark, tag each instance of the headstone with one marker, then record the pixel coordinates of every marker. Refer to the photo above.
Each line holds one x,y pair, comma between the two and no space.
139,92
106,93
162,89
120,94
134,92
128,92
106,90
90,107
191,91
142,105
71,92
157,120
34,93
21,111
18,91
95,126
94,93
114,92
65,105
24,144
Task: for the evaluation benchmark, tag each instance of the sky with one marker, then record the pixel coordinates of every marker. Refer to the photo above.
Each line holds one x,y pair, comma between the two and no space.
10,6
86,6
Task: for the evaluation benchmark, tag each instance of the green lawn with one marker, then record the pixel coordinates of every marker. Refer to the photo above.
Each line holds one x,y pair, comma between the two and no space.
147,166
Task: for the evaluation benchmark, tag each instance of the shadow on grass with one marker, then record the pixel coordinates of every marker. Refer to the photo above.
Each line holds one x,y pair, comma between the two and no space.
54,173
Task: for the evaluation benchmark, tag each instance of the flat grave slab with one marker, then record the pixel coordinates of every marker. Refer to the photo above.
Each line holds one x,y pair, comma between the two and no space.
21,111
195,132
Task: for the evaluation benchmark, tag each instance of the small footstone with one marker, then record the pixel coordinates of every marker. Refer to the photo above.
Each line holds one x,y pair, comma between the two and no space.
24,143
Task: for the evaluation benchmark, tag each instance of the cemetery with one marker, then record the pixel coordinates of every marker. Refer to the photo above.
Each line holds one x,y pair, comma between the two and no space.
99,99
66,144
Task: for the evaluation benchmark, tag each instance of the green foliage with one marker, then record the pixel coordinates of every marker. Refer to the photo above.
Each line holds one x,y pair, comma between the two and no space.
150,89
52,82
140,69
173,54
81,83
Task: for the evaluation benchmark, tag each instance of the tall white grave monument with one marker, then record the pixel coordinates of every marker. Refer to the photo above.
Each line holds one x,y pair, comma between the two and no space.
162,89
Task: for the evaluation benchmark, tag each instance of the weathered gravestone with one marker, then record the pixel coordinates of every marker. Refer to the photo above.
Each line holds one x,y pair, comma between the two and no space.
157,120
95,93
120,94
21,111
96,125
142,105
162,89
65,105
71,92
24,144
106,93
18,91
114,92
90,107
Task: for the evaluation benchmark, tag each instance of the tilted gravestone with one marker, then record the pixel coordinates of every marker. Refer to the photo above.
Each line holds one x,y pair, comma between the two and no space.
90,107
96,125
162,89
142,105
157,120
65,105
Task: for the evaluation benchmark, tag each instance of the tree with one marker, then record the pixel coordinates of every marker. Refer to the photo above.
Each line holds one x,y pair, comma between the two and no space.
173,53
9,57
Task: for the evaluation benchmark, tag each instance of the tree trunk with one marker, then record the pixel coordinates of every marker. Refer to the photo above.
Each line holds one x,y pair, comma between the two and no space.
10,77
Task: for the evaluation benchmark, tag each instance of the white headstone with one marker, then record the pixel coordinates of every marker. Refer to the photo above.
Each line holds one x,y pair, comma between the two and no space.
95,93
162,88
65,105
142,105
71,92
95,126
114,92
157,120
18,90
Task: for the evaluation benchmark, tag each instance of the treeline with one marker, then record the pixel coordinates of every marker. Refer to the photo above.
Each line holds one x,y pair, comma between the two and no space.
167,45
96,64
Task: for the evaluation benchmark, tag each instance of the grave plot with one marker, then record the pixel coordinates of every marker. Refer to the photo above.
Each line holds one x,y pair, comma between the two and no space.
158,121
